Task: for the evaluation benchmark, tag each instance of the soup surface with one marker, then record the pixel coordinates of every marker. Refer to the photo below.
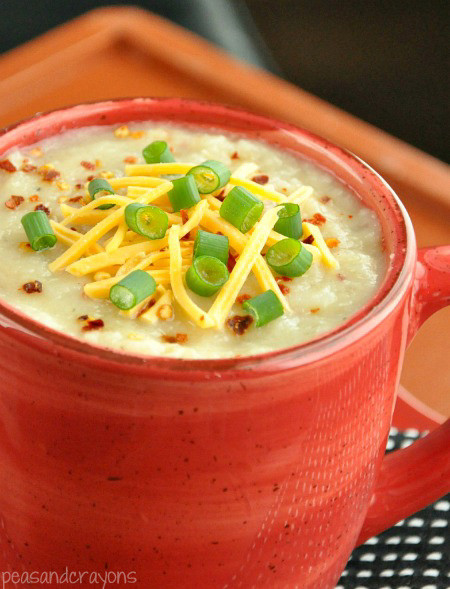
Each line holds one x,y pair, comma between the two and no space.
53,177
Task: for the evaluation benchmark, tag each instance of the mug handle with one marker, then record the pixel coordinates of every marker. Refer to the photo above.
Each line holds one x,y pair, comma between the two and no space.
412,478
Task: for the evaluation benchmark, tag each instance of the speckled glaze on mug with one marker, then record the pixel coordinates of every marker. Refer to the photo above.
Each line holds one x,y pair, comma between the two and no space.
248,472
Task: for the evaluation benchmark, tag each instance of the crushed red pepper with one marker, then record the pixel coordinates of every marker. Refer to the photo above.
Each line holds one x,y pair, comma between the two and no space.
315,310
221,195
235,156
284,289
34,198
88,165
75,198
28,168
31,287
42,207
261,178
317,219
91,177
130,159
325,199
50,175
231,262
7,166
309,239
93,324
78,185
239,324
14,202
83,317
146,307
242,298
179,338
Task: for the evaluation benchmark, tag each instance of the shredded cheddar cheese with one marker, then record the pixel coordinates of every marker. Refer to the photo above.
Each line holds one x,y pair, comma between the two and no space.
109,250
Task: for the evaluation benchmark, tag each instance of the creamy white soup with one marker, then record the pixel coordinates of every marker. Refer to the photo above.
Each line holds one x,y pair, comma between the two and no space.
68,289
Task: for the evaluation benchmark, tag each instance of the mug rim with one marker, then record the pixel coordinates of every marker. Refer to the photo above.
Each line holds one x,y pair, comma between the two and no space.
362,321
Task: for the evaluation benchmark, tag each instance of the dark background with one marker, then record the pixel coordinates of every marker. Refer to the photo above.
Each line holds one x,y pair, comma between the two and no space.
384,61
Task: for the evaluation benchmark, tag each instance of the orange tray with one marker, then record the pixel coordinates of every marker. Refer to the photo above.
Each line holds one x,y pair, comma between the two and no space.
117,52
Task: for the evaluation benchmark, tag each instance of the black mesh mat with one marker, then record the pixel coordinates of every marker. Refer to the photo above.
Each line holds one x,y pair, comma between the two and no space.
414,554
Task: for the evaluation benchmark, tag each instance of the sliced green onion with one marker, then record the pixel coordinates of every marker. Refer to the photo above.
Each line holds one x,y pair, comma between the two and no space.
241,208
157,152
290,221
184,193
103,186
211,244
39,231
210,176
289,257
132,289
264,308
206,275
147,220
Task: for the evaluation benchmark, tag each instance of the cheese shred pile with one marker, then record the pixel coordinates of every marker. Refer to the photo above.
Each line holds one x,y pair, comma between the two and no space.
108,250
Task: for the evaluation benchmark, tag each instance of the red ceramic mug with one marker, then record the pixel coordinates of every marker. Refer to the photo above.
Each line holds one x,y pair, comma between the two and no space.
248,472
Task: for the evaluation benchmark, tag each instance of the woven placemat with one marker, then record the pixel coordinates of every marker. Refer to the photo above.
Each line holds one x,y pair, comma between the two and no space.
414,554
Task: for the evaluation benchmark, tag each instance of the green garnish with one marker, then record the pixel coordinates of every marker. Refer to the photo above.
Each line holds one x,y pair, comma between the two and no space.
210,176
157,152
184,193
264,308
241,208
100,185
289,257
211,244
132,289
290,221
147,220
39,231
206,275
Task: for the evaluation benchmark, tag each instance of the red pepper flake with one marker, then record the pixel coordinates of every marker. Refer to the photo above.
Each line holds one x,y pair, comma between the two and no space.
93,324
7,166
42,207
30,287
28,168
179,338
309,239
284,289
34,198
261,179
89,178
231,262
130,159
285,278
325,199
235,156
88,165
14,202
146,307
75,198
316,219
78,185
350,216
50,175
242,298
239,324
221,195
83,318
315,310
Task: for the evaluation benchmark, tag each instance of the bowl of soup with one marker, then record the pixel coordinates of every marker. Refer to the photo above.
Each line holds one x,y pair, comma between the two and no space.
202,328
